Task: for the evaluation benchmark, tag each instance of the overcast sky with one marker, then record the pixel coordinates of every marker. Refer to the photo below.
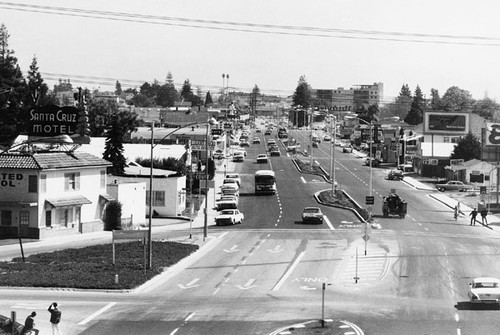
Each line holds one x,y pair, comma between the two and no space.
268,43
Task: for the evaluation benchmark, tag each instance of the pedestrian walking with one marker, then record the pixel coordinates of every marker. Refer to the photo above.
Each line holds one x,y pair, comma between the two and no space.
473,215
55,318
29,324
484,213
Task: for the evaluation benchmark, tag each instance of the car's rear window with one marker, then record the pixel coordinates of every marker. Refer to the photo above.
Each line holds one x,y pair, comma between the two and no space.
485,285
311,210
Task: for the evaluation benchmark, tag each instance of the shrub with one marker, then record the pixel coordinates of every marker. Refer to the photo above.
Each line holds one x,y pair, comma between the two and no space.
113,216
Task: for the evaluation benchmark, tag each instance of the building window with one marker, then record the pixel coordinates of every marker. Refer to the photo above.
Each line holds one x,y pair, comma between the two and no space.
446,139
6,218
43,183
158,198
103,179
48,218
24,218
32,184
72,181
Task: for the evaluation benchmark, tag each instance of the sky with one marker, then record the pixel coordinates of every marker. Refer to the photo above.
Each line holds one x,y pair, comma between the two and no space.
268,43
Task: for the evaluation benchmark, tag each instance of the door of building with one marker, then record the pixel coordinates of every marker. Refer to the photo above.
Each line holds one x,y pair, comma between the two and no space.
24,224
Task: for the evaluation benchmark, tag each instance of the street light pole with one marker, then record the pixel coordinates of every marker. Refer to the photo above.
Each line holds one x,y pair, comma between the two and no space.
205,217
150,215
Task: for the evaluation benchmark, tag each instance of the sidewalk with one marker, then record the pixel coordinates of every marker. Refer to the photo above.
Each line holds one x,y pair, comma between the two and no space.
493,220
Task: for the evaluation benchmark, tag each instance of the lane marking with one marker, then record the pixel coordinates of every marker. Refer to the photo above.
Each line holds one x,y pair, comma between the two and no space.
92,316
189,316
328,223
174,331
289,272
303,180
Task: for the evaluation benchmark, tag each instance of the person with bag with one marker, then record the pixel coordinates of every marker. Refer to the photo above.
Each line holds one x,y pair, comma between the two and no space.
55,318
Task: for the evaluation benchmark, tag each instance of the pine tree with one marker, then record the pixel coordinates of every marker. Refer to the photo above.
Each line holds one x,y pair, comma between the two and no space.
302,94
113,151
416,114
208,99
118,88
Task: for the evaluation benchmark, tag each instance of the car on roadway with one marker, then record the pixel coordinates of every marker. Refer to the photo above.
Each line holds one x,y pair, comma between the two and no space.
228,203
395,175
405,167
229,217
219,154
375,162
238,156
315,144
235,176
230,189
244,143
347,148
258,130
262,158
256,140
274,152
327,138
268,132
271,141
312,215
454,185
484,290
228,181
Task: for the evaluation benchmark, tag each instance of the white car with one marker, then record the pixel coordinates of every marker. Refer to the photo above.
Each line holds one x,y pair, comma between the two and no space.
484,290
219,154
262,158
227,203
231,189
230,181
229,217
312,214
235,176
256,140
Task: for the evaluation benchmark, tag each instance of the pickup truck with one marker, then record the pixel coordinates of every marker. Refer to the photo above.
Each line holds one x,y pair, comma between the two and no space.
454,185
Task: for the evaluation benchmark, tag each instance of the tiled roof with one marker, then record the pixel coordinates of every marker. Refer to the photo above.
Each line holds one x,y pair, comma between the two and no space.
51,160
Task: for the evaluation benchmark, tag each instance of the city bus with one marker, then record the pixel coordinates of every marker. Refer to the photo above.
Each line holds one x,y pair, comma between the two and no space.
265,182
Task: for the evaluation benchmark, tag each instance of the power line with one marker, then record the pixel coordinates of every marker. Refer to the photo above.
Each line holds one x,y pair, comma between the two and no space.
306,31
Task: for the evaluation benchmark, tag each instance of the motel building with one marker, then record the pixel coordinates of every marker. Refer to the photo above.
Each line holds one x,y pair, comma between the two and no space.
46,194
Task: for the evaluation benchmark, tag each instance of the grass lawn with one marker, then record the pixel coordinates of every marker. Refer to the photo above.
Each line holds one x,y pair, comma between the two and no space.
92,267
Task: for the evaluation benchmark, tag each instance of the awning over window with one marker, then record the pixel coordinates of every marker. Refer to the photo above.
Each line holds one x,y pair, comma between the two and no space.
68,201
105,197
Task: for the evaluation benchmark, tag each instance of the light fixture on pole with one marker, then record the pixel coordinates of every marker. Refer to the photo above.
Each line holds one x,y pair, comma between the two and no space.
210,122
150,211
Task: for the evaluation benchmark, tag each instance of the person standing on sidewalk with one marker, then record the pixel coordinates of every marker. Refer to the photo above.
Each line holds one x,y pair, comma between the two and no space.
55,318
473,215
484,213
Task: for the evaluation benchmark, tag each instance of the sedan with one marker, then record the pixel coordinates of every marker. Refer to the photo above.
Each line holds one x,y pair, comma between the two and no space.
484,290
454,185
275,152
256,140
229,217
313,215
262,158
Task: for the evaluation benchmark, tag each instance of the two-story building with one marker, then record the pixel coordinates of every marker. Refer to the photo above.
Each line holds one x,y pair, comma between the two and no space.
46,194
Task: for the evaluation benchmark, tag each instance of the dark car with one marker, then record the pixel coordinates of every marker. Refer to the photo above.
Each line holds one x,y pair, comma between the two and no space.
275,152
395,175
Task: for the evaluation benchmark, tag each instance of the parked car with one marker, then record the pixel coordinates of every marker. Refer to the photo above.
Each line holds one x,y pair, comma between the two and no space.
256,140
228,197
395,175
315,144
258,130
454,185
235,176
291,147
375,162
484,290
229,217
262,158
312,214
327,138
405,167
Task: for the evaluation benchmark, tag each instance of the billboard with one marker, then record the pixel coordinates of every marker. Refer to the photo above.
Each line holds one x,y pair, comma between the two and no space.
492,137
52,120
446,123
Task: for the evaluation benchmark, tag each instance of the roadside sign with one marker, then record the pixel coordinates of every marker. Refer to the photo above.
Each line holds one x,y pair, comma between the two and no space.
370,200
482,190
217,131
366,237
207,183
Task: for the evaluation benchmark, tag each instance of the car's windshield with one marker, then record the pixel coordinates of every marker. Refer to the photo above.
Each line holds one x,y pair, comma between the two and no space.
311,210
227,212
485,285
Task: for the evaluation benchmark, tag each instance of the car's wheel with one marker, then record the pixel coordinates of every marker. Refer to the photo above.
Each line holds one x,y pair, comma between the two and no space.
441,189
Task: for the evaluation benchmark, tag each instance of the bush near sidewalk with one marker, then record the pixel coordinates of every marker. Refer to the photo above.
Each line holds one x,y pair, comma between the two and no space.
92,267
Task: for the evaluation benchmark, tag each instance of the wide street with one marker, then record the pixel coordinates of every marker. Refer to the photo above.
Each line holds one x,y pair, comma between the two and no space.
410,277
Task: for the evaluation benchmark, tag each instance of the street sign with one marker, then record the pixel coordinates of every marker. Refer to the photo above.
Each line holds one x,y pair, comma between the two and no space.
370,200
207,183
217,131
199,175
366,237
482,190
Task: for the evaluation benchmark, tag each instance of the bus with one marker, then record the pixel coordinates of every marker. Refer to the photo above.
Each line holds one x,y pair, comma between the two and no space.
265,182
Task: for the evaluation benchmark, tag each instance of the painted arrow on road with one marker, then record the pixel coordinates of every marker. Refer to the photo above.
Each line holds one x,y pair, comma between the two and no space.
234,248
191,284
276,249
248,285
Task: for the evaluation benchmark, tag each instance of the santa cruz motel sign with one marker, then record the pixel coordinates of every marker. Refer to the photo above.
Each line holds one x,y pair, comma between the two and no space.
52,120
